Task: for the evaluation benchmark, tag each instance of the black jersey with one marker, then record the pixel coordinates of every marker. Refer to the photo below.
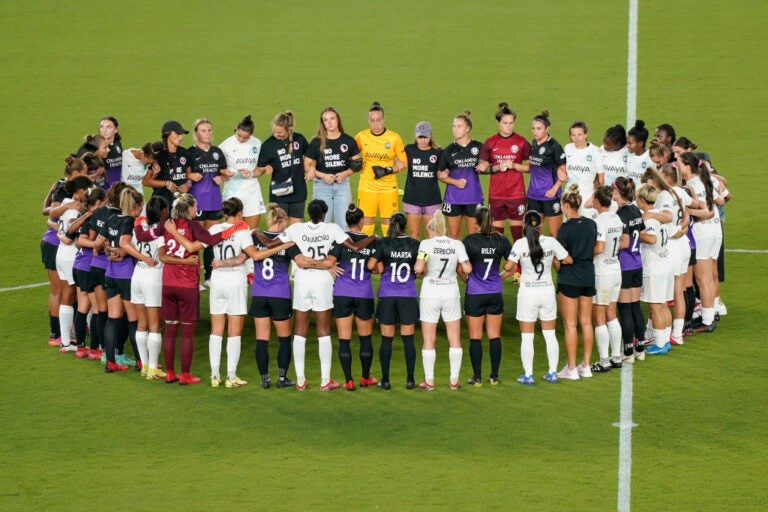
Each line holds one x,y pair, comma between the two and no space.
60,193
485,254
286,164
578,237
113,164
544,160
336,155
421,185
100,217
398,256
173,167
208,163
118,226
461,161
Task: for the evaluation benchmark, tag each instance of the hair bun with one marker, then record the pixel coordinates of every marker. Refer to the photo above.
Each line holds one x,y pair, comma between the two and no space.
467,113
503,104
639,124
352,207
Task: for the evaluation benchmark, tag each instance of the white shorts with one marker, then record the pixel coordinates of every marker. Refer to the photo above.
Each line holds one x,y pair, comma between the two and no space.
228,296
312,290
708,243
658,288
681,255
149,293
608,288
536,305
253,205
64,269
430,309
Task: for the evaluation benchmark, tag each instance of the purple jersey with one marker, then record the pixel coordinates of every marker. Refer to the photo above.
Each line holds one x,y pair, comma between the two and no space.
271,276
118,226
545,159
58,196
355,280
208,163
398,256
84,254
632,218
98,226
485,253
461,162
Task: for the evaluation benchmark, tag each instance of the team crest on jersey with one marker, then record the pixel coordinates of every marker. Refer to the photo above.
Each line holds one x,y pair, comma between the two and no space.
295,145
343,148
183,160
215,156
433,158
474,151
624,159
643,164
514,148
589,158
119,151
556,207
542,149
254,150
387,145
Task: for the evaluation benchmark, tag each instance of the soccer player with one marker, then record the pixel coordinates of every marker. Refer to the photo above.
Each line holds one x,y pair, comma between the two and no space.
173,160
241,152
394,257
536,297
638,158
665,134
383,154
584,166
136,162
332,157
114,158
437,261
422,190
505,155
458,170
97,146
547,170
614,153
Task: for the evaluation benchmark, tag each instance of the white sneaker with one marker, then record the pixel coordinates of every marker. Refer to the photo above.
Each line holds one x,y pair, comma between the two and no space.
721,309
640,356
68,348
628,359
584,372
568,374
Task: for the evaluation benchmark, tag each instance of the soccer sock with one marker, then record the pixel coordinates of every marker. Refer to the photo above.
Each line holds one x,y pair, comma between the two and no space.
169,345
132,326
494,347
187,346
55,327
366,354
476,357
154,345
707,316
614,337
638,320
299,351
517,232
345,358
526,352
667,334
233,355
111,332
601,340
410,356
385,356
627,326
262,357
122,334
142,338
283,356
66,317
207,262
677,328
94,324
81,327
214,354
368,229
658,338
428,357
454,359
101,326
325,351
690,304
553,350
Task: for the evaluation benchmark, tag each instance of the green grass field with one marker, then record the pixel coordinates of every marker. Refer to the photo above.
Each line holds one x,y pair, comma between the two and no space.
72,438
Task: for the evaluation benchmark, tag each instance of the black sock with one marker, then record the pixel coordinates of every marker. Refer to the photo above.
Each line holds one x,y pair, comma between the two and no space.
95,340
476,356
494,347
111,332
639,321
81,327
102,327
385,355
208,261
132,326
122,334
690,304
345,358
262,356
410,355
624,310
55,326
366,354
283,355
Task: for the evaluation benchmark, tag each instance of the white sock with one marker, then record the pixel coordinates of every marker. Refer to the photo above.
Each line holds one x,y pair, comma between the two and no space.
428,357
658,335
650,332
601,340
677,328
154,346
667,333
717,302
707,317
325,350
233,355
66,317
214,354
553,349
299,351
526,352
614,336
141,343
454,358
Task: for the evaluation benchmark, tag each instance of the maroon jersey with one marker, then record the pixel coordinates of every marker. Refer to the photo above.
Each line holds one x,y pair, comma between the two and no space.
185,276
508,184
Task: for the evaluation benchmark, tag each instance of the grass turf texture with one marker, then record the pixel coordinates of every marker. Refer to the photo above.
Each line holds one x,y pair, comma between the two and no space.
73,438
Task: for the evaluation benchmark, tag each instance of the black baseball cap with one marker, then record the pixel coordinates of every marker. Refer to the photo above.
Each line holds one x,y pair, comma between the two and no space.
173,126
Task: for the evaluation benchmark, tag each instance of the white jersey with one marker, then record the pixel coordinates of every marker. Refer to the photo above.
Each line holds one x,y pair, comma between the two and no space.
67,252
656,255
314,240
636,166
583,166
133,170
700,193
241,156
538,276
142,271
609,230
443,255
614,164
228,248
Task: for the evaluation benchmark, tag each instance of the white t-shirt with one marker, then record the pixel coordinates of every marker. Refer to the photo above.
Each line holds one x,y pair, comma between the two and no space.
540,276
67,251
241,156
313,240
700,192
142,271
656,256
583,166
614,164
636,166
443,255
133,170
609,230
230,248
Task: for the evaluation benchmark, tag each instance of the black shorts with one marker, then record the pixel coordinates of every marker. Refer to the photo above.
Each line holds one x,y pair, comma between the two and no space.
692,259
721,259
295,210
548,208
483,304
459,210
48,253
397,310
574,292
121,287
99,277
83,280
203,215
346,306
266,307
631,279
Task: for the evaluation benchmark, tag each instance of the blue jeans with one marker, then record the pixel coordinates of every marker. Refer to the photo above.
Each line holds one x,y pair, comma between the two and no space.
337,196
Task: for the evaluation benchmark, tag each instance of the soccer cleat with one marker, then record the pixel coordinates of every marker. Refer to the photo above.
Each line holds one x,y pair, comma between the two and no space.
630,359
721,309
454,385
427,386
301,386
68,348
235,382
705,328
266,381
640,355
551,377
54,342
215,381
202,288
328,386
645,342
124,360
616,363
170,377
655,350
207,283
81,352
370,381
384,385
349,385
103,357
155,374
676,341
410,384
585,372
475,381
186,379
599,368
494,381
114,367
687,332
285,383
568,374
526,380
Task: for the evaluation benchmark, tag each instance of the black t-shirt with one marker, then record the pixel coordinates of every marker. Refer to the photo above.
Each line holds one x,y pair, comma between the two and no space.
117,226
335,158
578,236
60,194
173,167
485,254
286,165
100,217
206,162
421,185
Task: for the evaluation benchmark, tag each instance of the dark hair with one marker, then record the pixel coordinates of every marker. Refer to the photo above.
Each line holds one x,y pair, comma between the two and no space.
231,207
74,164
625,187
316,209
245,124
668,129
77,183
484,219
603,196
531,224
92,162
114,122
93,196
639,132
685,143
91,144
572,197
113,194
578,124
617,135
152,149
155,207
504,110
700,169
397,224
354,215
376,107
465,116
543,117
